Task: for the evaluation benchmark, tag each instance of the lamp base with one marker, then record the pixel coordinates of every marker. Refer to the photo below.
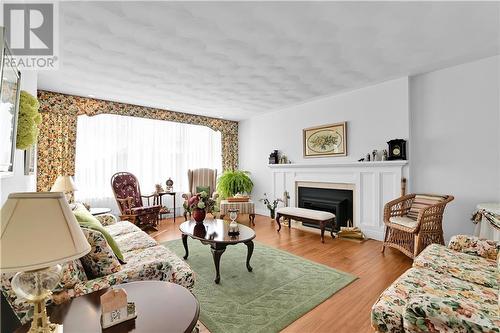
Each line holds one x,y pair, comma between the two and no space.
35,286
41,322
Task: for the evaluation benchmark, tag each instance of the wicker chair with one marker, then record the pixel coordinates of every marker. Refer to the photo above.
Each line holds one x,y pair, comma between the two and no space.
414,221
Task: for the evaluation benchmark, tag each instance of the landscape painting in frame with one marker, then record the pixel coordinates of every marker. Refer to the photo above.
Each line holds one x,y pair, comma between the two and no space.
326,141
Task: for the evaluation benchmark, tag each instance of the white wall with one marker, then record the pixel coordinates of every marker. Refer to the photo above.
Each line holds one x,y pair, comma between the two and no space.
374,114
455,146
18,182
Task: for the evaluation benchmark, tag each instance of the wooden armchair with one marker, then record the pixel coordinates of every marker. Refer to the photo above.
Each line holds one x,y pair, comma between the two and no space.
129,199
198,178
414,221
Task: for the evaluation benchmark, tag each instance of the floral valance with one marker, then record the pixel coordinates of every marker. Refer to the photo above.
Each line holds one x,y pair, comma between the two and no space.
57,139
69,104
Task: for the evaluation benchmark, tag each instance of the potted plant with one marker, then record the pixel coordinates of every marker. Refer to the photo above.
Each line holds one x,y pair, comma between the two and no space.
232,182
199,205
271,206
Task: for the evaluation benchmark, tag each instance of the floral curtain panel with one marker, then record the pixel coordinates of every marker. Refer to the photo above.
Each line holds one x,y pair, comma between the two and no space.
57,139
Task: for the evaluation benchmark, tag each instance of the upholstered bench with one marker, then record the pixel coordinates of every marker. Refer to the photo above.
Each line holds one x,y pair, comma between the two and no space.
308,216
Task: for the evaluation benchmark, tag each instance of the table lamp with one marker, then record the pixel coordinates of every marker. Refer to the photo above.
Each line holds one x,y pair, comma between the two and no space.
64,184
38,232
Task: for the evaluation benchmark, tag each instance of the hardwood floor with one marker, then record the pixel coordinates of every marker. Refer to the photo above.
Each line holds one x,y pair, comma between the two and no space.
349,309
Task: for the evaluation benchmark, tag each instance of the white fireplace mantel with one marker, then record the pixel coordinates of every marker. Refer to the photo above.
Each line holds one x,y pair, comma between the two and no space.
376,164
374,183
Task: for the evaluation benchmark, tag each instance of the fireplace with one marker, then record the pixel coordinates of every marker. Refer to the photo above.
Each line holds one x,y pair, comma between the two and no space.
325,197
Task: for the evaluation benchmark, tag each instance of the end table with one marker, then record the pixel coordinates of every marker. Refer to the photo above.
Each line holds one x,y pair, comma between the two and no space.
161,306
99,211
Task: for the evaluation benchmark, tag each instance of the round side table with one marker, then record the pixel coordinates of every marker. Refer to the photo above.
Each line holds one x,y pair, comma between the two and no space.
160,306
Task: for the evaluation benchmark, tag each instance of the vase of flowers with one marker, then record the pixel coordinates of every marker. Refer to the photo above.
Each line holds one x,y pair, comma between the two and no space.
199,205
199,214
271,205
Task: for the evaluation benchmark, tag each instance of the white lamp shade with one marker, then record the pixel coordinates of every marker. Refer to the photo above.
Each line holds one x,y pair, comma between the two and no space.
39,230
64,184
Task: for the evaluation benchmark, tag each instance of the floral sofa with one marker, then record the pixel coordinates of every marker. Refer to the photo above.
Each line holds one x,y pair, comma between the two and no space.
144,258
448,289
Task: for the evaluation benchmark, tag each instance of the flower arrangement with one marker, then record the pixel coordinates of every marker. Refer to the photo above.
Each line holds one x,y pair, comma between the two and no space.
271,206
200,204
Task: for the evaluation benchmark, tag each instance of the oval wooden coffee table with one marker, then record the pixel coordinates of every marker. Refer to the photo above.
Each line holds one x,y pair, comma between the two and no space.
214,232
160,306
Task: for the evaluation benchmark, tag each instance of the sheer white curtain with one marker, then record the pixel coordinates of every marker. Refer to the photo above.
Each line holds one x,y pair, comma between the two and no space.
153,150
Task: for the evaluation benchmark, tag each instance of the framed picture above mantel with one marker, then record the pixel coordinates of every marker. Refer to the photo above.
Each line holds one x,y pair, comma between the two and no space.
326,140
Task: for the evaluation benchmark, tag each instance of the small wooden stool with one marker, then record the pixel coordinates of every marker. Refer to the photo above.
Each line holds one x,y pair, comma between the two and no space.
308,216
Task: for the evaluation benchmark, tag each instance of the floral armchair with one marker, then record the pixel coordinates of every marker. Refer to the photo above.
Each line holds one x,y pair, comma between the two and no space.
200,179
129,199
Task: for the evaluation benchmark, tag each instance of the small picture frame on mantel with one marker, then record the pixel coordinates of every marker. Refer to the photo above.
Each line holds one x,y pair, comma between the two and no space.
325,141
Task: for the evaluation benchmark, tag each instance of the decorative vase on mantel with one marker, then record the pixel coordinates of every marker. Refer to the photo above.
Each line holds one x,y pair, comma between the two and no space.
199,215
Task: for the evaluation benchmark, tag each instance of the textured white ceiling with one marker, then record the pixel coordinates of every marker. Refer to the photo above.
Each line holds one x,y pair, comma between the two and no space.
238,59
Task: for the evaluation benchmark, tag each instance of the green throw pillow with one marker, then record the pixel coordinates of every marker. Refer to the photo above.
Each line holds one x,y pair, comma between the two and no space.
88,220
200,189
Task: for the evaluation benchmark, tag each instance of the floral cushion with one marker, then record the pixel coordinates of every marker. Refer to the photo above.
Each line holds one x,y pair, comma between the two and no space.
133,241
453,314
463,266
107,219
121,228
72,273
388,311
488,249
100,260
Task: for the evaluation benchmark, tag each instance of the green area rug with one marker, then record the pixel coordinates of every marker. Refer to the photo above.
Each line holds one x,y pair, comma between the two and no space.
281,288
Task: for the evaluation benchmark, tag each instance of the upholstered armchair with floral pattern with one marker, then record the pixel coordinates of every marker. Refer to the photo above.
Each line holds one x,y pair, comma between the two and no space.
129,199
199,180
448,289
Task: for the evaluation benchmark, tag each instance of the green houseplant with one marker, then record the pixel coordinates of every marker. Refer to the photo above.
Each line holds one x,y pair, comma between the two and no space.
232,182
29,119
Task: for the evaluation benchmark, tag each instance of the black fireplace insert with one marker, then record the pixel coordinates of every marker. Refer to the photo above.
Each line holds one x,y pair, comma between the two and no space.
336,201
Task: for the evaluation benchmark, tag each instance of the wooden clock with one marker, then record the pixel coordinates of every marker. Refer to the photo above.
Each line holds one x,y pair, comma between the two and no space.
397,149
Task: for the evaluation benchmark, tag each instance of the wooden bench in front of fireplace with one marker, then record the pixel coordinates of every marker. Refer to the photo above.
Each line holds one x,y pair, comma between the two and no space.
307,216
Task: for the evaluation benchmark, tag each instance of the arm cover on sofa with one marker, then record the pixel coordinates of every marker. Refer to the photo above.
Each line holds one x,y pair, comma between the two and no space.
473,245
433,314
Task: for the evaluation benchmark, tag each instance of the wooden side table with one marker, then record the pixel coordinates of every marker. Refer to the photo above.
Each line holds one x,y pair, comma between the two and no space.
158,200
242,207
160,306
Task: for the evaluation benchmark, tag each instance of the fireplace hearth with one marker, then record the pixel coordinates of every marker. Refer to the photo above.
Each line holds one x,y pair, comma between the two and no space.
336,201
